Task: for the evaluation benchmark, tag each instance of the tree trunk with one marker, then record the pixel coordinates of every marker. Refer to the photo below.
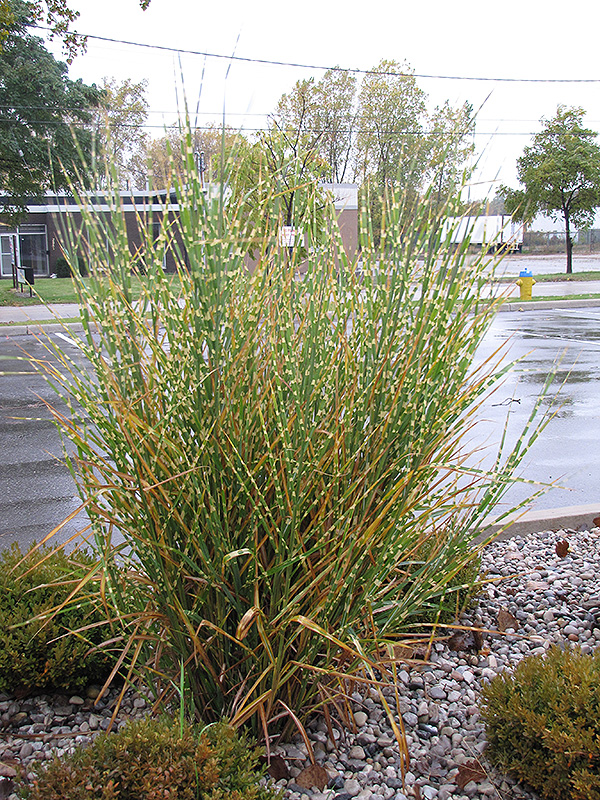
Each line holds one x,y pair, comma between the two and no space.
569,244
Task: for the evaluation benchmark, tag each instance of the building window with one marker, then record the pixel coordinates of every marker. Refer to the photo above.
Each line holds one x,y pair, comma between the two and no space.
33,246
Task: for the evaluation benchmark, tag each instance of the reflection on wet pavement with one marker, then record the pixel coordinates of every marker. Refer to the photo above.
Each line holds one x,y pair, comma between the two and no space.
568,450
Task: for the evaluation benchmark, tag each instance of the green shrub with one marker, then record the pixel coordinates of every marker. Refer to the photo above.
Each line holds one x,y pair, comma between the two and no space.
543,723
41,653
154,760
63,267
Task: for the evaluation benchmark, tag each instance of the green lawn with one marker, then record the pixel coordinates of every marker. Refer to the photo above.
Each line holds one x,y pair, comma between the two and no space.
553,277
546,298
47,290
575,276
61,290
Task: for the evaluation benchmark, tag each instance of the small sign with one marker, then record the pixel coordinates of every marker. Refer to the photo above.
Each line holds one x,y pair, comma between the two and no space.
287,236
21,275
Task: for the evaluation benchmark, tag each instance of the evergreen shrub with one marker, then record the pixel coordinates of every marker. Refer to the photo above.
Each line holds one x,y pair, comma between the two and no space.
152,759
543,723
63,267
39,650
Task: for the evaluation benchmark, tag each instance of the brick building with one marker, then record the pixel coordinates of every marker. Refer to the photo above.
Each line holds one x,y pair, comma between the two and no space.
35,243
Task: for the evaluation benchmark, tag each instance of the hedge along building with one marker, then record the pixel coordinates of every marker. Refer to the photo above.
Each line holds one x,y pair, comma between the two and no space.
36,241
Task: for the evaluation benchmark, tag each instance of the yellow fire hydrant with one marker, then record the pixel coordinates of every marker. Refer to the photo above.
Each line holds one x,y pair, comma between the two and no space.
525,284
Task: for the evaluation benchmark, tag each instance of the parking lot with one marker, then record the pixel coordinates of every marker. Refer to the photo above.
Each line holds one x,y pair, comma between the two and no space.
37,491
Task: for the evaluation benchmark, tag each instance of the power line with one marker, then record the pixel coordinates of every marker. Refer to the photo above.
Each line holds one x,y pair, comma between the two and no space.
88,126
218,113
352,70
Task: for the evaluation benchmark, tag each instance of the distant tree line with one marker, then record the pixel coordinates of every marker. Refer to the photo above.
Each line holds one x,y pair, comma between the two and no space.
377,132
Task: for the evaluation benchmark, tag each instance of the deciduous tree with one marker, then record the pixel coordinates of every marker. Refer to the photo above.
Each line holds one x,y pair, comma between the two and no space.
449,147
277,180
336,114
45,118
163,160
560,173
120,136
390,143
57,16
291,166
324,114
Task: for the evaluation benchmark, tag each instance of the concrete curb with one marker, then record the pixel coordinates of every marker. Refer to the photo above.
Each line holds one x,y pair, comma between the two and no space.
547,519
27,328
541,305
37,328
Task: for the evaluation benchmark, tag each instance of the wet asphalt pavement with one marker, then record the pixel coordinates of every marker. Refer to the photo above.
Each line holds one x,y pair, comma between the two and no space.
568,450
37,491
554,264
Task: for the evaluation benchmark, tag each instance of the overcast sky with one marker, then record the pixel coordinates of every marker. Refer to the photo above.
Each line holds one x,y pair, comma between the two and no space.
466,38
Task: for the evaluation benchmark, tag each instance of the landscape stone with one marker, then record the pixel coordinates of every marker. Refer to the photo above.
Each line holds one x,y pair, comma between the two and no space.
438,699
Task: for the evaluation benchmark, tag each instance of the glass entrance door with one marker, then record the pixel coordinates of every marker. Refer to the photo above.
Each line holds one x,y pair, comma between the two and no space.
34,248
8,254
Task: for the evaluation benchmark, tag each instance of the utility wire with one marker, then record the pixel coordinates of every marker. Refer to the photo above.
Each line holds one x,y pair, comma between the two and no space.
168,128
14,108
353,70
6,119
10,107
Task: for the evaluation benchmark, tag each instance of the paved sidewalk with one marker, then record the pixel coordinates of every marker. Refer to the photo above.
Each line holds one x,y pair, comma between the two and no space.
21,319
554,288
23,315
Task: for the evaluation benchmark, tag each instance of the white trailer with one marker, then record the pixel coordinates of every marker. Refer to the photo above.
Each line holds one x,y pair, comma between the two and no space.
493,232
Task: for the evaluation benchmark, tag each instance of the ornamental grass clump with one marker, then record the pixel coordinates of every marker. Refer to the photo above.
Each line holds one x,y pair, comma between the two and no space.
543,723
275,460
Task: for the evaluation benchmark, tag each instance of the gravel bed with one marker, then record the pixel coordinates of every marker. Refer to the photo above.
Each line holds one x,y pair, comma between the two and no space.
548,598
37,728
538,596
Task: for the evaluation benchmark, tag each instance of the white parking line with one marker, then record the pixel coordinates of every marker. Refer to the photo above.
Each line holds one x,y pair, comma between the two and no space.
69,340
